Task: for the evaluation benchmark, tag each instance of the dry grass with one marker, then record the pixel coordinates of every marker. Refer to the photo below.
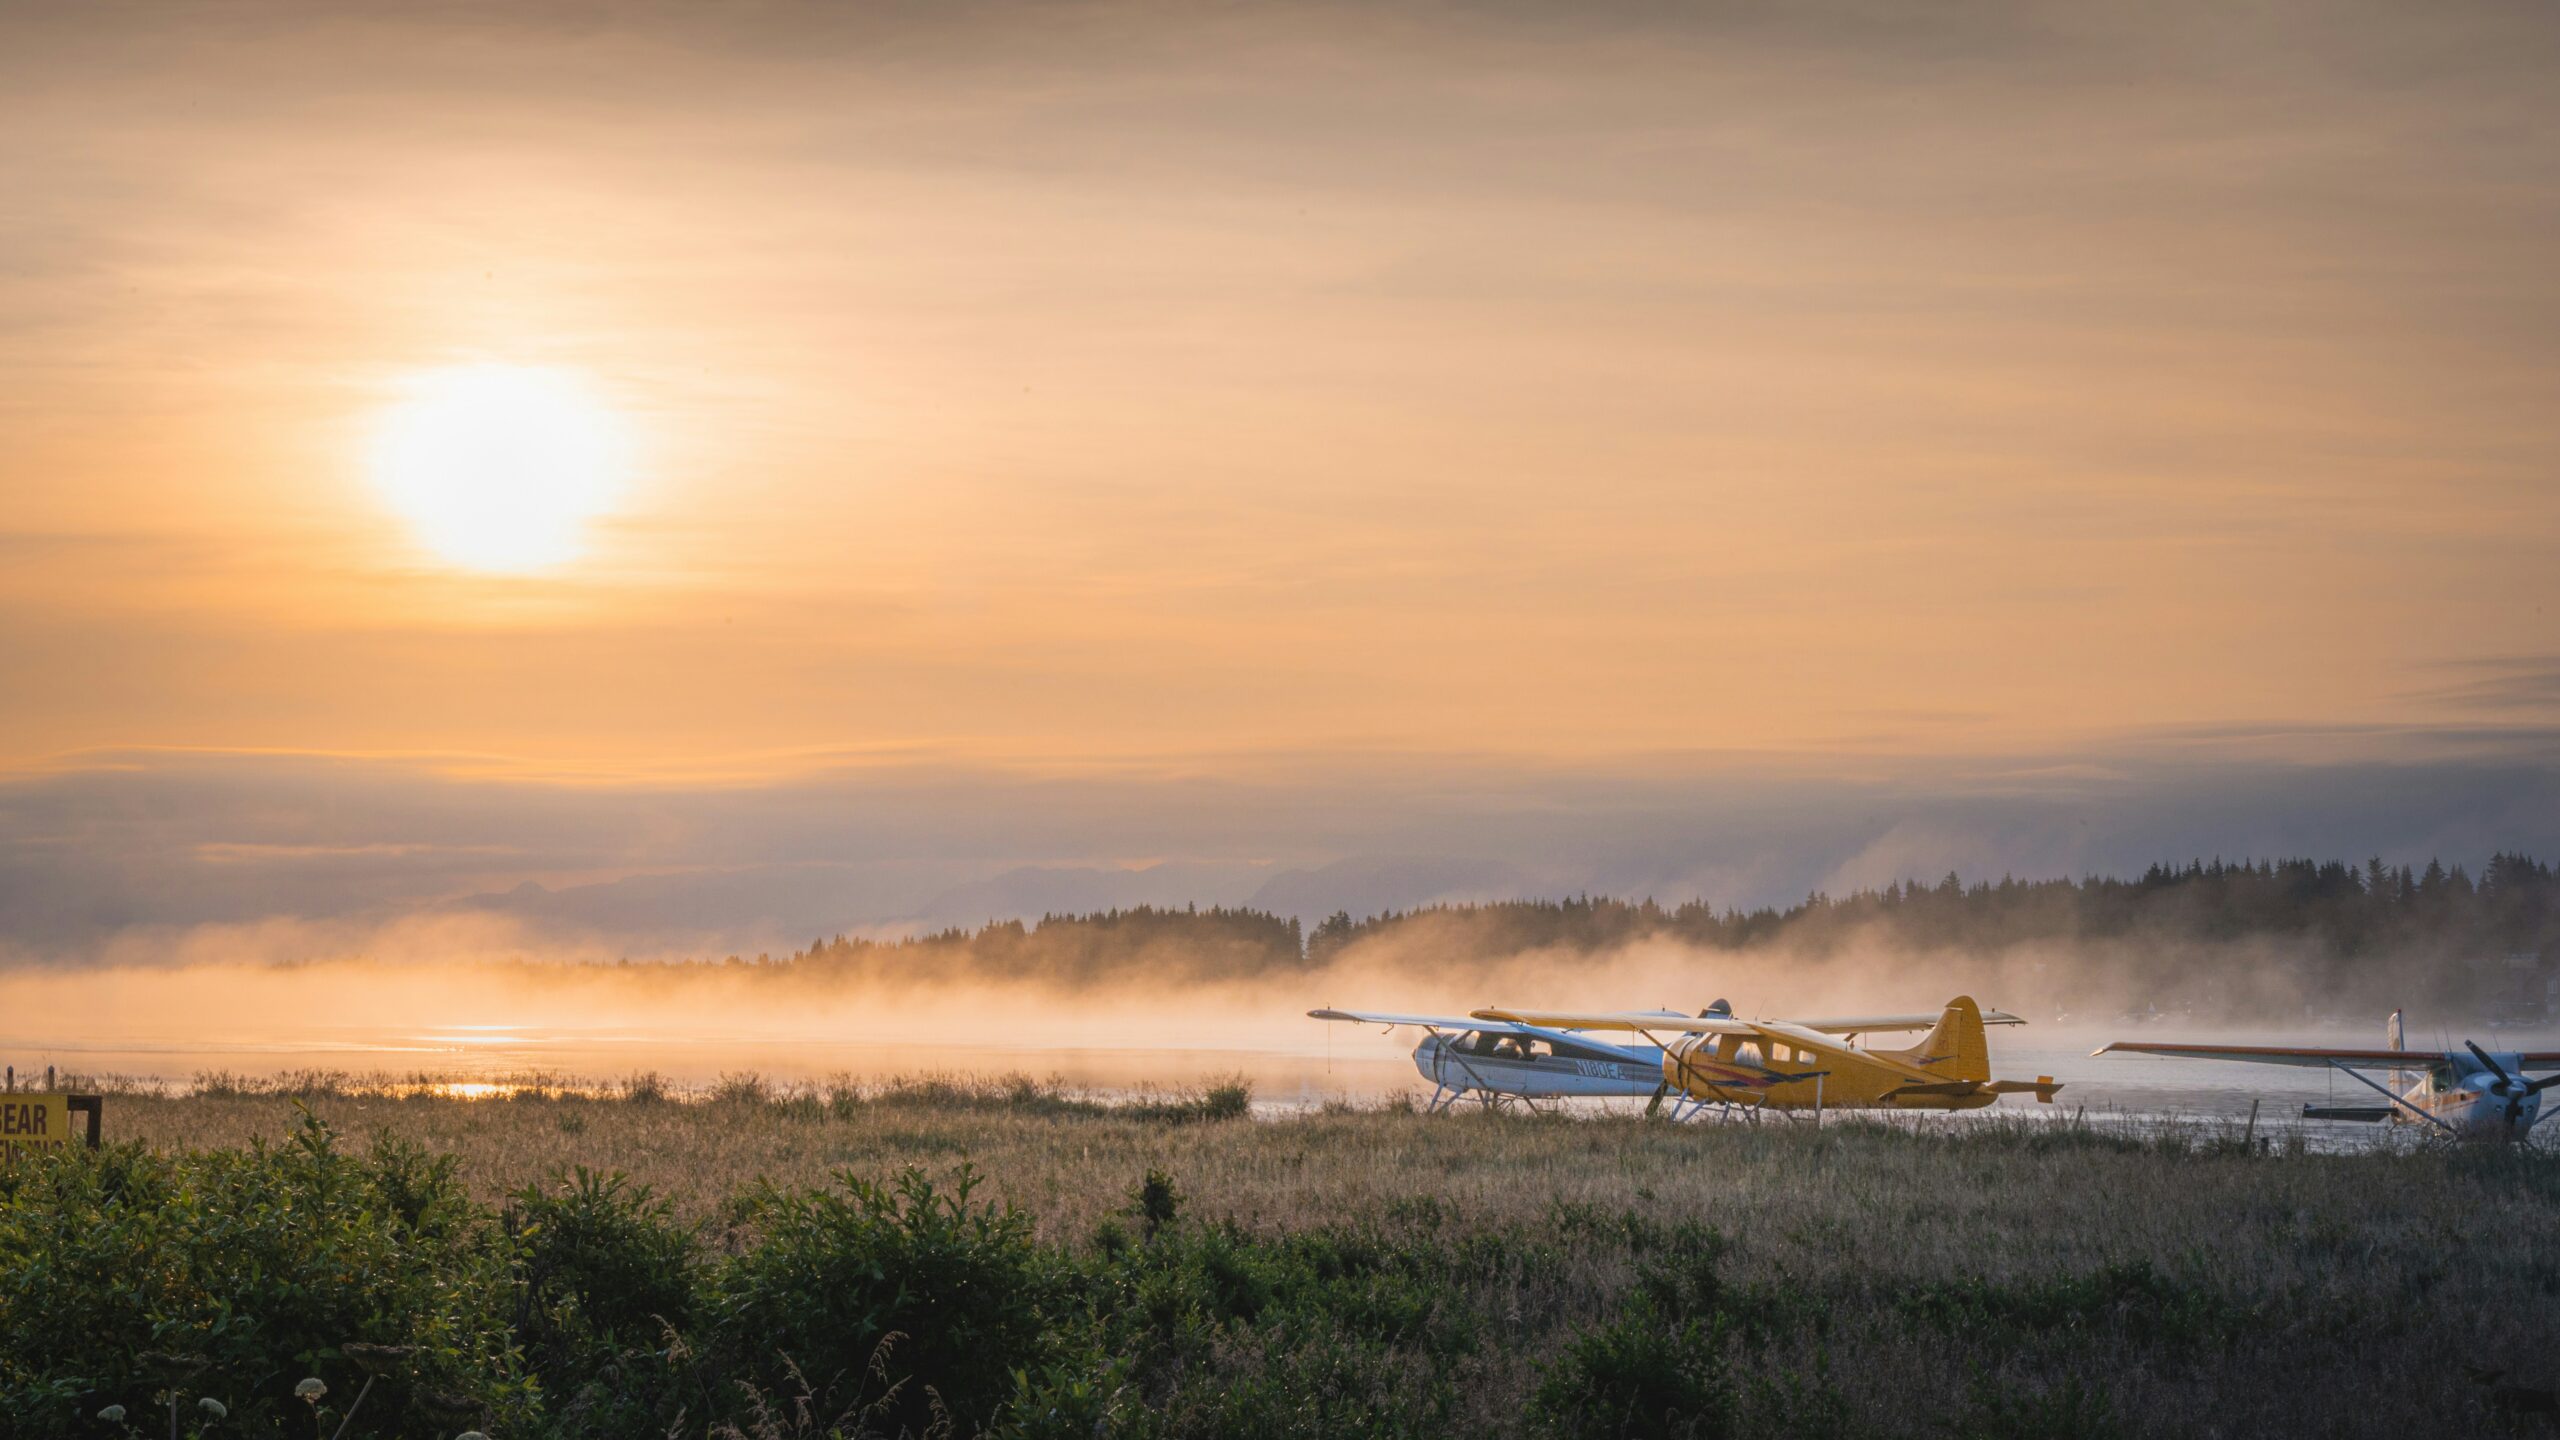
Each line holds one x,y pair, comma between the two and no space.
2374,1276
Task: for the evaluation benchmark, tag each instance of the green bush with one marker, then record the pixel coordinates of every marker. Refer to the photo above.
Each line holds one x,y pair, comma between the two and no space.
1155,1202
954,1289
260,1264
607,1277
1643,1376
1227,1100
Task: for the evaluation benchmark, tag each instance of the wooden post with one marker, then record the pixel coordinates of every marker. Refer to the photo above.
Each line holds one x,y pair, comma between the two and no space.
2249,1136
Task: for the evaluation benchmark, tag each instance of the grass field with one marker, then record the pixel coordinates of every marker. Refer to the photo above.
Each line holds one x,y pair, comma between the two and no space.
1373,1272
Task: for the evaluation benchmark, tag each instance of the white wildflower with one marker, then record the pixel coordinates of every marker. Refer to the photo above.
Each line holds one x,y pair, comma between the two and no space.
113,1414
213,1407
311,1389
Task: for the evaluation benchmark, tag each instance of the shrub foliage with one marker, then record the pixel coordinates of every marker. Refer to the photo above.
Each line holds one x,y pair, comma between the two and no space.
585,1307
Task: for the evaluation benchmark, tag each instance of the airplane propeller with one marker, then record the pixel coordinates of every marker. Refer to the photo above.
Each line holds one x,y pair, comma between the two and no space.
2514,1090
2487,1059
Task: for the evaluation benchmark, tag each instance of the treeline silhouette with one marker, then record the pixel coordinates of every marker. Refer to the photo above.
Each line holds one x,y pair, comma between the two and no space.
2435,933
1189,944
2342,909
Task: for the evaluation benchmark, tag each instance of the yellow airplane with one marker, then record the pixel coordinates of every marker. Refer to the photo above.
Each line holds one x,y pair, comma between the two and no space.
1718,1062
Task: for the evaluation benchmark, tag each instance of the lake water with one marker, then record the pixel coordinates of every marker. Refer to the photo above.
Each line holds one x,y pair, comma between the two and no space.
1291,1063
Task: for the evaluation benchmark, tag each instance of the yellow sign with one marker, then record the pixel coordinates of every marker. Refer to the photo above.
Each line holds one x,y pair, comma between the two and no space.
37,1120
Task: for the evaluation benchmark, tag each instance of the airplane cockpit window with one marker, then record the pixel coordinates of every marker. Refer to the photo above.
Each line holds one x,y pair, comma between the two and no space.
1748,1052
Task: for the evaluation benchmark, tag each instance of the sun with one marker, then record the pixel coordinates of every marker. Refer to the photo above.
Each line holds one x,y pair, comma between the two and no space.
500,467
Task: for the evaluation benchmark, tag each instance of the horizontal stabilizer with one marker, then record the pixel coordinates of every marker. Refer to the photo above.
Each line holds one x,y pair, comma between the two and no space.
1941,1087
2042,1087
2365,1113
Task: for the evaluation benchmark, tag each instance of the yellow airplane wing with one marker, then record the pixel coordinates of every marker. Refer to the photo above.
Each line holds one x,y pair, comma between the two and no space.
1647,1021
1671,1024
1808,1040
1882,1024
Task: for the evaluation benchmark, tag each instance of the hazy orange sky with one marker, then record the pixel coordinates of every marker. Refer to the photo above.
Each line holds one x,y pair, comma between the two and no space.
1189,390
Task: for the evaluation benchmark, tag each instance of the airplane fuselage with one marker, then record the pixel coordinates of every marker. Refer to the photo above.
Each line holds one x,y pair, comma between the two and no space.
1780,1066
1448,1062
1877,1080
2466,1101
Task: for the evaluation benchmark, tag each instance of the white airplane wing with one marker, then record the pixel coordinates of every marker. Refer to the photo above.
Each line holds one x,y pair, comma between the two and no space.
1646,1021
1433,1022
2307,1056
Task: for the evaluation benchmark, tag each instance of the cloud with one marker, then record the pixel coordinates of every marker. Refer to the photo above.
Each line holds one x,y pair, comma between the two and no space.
1128,377
101,858
2508,683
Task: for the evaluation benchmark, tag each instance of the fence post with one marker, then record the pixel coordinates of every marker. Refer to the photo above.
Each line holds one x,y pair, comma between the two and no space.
96,1106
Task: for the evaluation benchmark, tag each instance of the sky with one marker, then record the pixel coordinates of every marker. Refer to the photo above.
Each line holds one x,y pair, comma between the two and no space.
1081,452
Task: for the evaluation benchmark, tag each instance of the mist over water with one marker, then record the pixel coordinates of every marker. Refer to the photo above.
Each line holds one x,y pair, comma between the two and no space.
487,1021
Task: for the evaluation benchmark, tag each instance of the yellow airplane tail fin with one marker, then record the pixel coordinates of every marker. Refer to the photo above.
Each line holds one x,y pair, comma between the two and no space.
1958,1049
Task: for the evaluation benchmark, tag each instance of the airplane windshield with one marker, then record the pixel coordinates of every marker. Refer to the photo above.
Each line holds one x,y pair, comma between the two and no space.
1503,1047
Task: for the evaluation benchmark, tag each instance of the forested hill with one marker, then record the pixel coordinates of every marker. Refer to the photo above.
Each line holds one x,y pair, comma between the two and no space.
2483,940
2338,909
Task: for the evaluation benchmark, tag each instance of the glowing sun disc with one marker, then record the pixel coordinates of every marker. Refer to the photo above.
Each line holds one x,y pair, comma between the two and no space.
499,467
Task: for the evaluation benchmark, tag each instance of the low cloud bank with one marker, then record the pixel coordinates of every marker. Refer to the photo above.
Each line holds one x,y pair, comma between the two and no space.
159,856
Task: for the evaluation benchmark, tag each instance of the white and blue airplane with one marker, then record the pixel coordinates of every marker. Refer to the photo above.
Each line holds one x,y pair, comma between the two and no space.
1496,1061
2466,1094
